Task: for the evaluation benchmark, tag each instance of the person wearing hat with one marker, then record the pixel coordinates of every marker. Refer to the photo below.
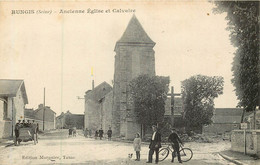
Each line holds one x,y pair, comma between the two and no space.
155,145
175,140
23,123
16,132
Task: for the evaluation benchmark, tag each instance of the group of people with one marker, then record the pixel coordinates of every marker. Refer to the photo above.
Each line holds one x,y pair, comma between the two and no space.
72,132
98,133
23,124
155,145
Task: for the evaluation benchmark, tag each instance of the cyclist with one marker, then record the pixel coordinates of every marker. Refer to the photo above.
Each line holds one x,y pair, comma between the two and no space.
175,140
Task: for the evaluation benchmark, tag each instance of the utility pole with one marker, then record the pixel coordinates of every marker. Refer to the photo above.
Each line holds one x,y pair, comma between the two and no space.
43,116
172,106
92,76
13,122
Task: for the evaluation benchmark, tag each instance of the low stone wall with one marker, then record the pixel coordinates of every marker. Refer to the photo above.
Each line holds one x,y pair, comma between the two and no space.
217,128
252,141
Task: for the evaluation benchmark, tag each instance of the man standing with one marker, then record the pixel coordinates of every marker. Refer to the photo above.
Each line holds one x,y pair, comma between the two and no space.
109,133
34,126
101,133
37,131
16,132
155,144
174,139
90,133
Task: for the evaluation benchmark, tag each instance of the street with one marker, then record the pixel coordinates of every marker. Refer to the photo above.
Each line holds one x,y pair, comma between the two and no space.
56,148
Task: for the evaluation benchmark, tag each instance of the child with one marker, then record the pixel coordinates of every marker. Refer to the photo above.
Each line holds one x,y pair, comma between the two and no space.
137,146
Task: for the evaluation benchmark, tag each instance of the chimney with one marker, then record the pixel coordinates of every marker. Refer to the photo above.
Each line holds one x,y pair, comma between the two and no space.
92,84
40,106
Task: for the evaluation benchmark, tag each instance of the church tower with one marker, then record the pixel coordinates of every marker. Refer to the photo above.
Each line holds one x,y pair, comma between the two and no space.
134,56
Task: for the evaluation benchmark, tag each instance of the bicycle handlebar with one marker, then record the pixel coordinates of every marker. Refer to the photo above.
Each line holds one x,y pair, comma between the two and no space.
170,144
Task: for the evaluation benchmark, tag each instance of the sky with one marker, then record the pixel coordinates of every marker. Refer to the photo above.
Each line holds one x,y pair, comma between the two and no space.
57,51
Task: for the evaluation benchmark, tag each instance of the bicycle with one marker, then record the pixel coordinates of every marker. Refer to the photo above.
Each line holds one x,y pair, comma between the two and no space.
186,153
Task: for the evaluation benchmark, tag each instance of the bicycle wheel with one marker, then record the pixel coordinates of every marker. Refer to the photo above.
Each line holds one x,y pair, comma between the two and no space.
163,153
186,154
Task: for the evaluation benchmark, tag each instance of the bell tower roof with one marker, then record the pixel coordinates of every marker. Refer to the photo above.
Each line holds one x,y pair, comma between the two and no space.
135,34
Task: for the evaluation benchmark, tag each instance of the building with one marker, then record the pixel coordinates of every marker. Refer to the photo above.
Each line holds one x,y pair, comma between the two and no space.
111,107
224,120
49,117
98,107
13,99
29,114
134,56
106,111
69,120
60,120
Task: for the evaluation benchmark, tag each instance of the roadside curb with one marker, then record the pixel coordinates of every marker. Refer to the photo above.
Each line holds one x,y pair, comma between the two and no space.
231,159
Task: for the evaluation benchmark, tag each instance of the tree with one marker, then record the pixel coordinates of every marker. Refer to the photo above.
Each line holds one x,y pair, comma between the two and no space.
148,94
198,94
243,24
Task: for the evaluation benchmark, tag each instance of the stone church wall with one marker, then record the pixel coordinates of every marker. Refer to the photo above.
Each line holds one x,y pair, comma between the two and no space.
130,62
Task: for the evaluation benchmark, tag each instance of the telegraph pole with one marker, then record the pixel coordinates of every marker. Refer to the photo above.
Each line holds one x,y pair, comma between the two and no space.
92,76
172,106
43,118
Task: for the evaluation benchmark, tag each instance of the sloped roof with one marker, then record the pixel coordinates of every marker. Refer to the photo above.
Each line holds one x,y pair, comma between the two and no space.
47,108
135,33
64,114
29,113
9,88
68,113
99,92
